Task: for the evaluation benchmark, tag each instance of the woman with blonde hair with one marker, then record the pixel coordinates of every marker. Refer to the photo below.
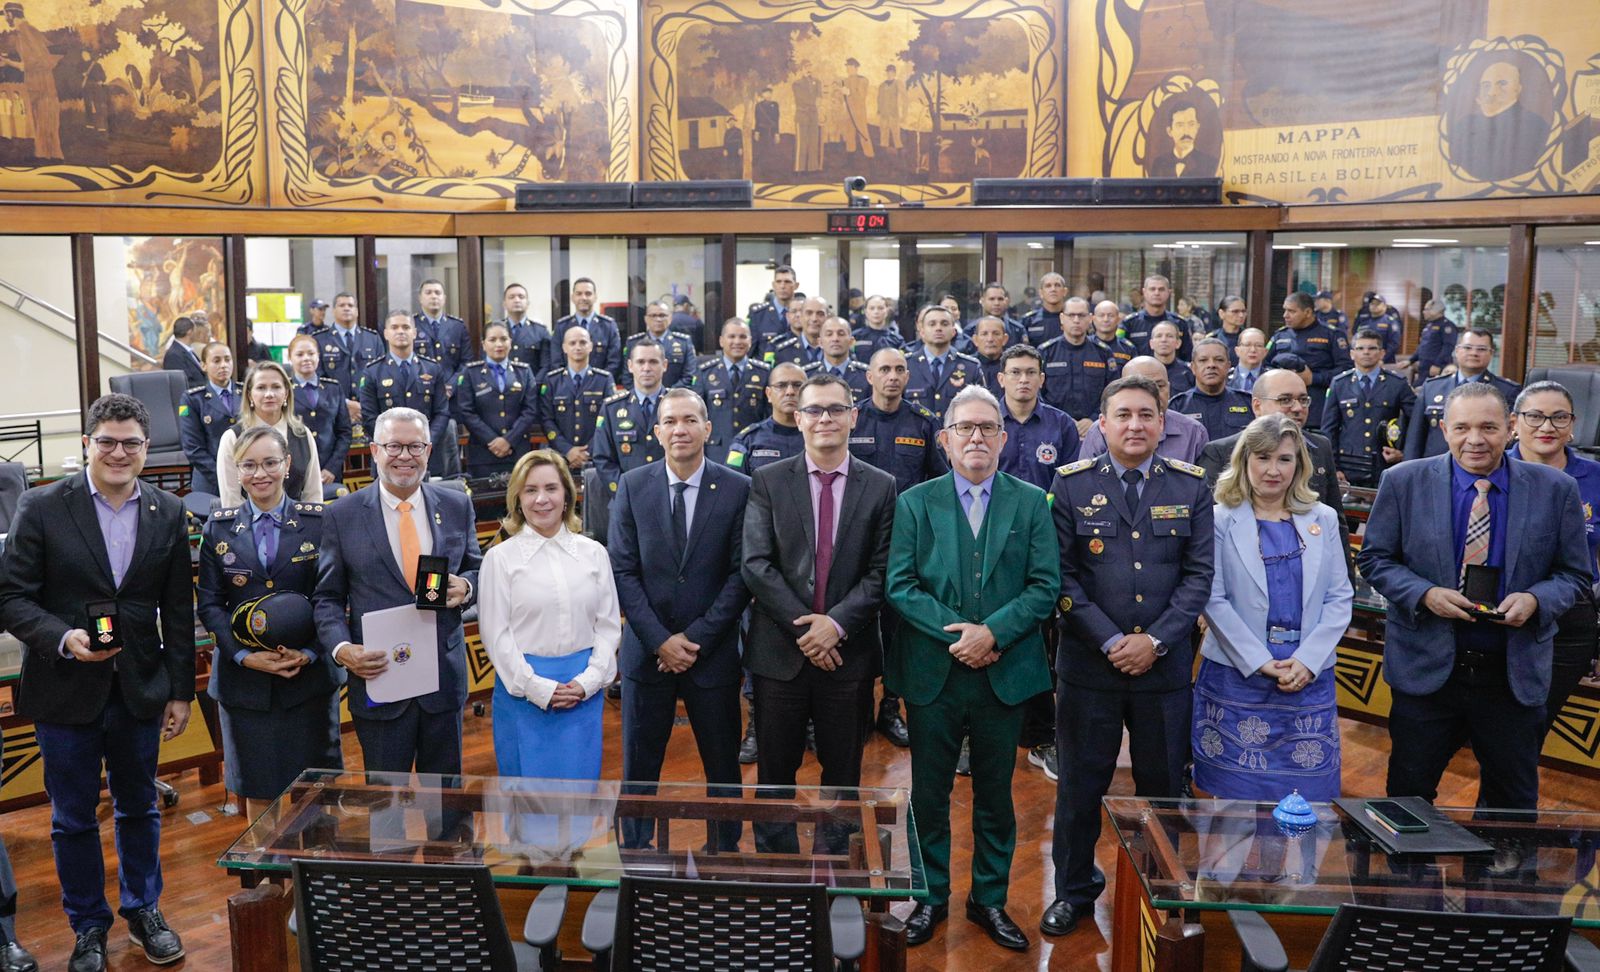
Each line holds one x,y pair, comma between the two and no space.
269,401
1265,716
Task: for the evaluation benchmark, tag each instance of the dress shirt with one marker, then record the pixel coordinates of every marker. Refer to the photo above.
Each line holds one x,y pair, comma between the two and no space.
691,495
119,528
815,482
1480,635
391,523
228,468
575,608
964,488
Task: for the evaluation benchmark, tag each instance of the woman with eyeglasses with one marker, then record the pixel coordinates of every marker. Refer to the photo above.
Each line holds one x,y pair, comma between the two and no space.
1265,714
279,706
1544,430
269,402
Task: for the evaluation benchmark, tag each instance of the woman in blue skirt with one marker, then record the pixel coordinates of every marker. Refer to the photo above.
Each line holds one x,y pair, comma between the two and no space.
1265,715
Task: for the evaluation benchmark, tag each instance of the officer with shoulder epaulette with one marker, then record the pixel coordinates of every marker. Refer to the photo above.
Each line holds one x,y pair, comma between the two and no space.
404,378
1137,327
530,340
836,341
603,333
1322,351
1076,369
571,398
778,435
206,412
1366,413
1044,322
625,436
734,387
1329,314
497,402
1108,338
1379,316
769,320
937,371
1136,539
678,349
897,436
804,346
319,403
346,349
1222,410
1474,350
440,336
1437,343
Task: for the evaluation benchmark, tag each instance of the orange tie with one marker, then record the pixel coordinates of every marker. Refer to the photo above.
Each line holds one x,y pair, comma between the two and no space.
410,545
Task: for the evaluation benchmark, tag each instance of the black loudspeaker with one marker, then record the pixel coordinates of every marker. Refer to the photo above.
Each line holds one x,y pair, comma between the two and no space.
1097,192
574,195
707,193
1033,192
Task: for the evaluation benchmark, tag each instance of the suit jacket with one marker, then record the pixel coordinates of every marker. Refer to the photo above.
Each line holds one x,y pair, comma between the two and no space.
178,358
1409,548
1236,615
55,561
924,585
358,573
1425,430
779,567
1214,458
700,593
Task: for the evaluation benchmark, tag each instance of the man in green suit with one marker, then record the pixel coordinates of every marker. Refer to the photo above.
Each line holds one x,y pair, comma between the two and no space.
973,570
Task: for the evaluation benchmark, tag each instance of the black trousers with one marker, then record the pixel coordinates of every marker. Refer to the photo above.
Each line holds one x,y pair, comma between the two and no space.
648,711
1039,712
1577,636
426,741
841,710
1476,706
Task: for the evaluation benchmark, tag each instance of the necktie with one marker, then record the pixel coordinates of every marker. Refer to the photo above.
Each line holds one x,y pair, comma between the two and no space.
649,406
824,560
680,518
227,400
405,372
975,509
266,540
936,367
499,376
734,374
410,545
1366,385
1476,548
1132,477
345,338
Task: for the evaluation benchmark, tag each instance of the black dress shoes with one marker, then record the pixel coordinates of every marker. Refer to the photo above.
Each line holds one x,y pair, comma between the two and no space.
924,918
1062,916
999,925
150,931
892,725
89,951
15,958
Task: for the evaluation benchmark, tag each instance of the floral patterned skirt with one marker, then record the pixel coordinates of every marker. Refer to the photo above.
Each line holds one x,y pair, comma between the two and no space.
1253,741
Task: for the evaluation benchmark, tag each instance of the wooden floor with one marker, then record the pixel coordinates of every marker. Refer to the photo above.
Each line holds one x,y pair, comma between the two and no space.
196,832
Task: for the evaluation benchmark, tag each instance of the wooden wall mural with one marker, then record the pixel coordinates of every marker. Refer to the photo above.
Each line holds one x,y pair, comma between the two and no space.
131,101
447,104
918,96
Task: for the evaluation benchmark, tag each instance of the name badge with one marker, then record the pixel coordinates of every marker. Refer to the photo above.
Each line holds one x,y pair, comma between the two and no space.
908,441
1169,512
863,440
765,453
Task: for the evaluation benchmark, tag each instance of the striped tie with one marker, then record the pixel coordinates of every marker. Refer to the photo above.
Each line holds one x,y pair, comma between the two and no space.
1476,548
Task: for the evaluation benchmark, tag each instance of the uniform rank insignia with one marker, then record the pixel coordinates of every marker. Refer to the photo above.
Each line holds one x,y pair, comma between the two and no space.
1187,467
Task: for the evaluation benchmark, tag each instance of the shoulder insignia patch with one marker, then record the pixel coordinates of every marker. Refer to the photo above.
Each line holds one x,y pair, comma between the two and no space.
1076,467
1187,467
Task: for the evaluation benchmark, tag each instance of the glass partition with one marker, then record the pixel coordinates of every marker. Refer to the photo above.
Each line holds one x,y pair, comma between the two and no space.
604,259
1203,269
1566,297
526,260
284,274
935,267
686,272
39,348
402,266
815,260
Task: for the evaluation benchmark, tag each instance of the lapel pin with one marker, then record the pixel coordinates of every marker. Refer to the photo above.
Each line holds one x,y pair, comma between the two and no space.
1314,529
438,519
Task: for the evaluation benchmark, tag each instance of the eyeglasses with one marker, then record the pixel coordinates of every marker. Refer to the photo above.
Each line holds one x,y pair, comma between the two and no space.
1288,401
831,411
107,445
250,467
1557,420
786,385
395,449
965,429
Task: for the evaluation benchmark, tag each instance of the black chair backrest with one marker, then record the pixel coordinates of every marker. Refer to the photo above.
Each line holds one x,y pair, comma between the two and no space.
162,393
356,917
1583,381
31,437
669,925
1379,939
13,483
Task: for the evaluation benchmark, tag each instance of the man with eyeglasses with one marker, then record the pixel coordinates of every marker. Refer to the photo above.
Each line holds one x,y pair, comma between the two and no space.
1473,353
1182,437
777,436
207,411
733,385
1322,352
97,586
1211,402
1234,313
347,349
1076,369
1248,356
816,543
974,571
678,350
405,379
625,433
1364,404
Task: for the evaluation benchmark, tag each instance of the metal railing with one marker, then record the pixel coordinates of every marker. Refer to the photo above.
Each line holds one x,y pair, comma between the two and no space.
18,300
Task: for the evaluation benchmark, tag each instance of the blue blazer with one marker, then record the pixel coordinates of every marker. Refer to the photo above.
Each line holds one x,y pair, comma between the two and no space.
703,595
358,571
1410,547
1236,615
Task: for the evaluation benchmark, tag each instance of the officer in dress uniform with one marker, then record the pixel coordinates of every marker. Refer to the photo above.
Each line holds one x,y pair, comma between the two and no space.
1107,324
319,403
1438,341
530,340
1474,349
804,346
1329,314
208,411
1076,369
678,348
570,400
440,336
778,435
625,435
1379,316
1364,405
1137,326
1222,410
937,371
734,387
404,378
1323,351
316,316
996,301
1235,314
347,348
769,320
836,360
603,333
1044,322
497,402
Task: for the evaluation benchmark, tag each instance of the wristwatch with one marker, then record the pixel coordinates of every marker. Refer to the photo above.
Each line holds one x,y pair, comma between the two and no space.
1161,649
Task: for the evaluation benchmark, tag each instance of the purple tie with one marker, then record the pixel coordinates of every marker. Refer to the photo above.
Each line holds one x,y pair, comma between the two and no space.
819,591
308,394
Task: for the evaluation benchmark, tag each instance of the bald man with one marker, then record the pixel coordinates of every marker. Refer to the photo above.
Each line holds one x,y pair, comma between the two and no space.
1182,437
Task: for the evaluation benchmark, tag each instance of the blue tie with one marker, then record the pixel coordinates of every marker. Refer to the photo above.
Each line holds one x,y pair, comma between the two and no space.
937,368
649,414
266,538
227,400
1366,385
499,376
405,372
308,395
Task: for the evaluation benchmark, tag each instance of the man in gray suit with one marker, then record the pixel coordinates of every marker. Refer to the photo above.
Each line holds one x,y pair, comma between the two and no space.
813,647
1456,677
370,542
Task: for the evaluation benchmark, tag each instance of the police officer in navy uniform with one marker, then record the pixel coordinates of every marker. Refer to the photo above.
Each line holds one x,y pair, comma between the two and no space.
530,340
988,344
404,378
734,387
879,331
1044,322
1474,350
1137,326
1437,344
996,301
1222,410
937,371
769,320
1329,314
603,333
778,435
1323,351
1136,538
836,359
1379,316
1235,315
571,398
440,336
1364,403
319,403
1107,325
1076,369
1039,436
804,346
625,436
1165,339
316,316
497,402
208,411
677,347
347,348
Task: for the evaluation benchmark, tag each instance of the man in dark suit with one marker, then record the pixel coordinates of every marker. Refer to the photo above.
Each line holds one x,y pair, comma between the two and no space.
813,646
370,543
1455,678
104,538
675,545
183,351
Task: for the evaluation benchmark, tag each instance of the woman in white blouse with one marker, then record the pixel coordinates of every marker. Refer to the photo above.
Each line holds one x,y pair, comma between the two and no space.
548,615
269,401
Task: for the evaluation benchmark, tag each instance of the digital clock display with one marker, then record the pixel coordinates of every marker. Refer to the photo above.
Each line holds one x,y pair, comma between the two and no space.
858,222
